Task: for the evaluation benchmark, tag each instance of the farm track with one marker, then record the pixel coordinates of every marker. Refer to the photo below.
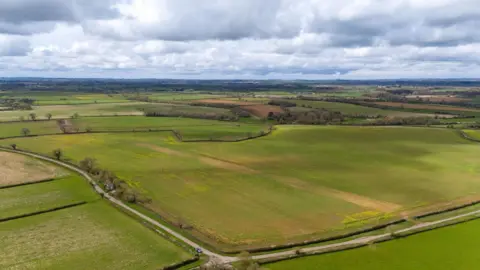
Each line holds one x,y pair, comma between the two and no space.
219,258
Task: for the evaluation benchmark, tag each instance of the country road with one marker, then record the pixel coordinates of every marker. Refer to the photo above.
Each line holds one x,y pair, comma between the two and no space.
229,259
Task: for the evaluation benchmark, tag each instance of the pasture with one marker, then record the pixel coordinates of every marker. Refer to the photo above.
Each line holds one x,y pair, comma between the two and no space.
443,249
93,236
65,98
298,183
17,169
432,108
67,111
44,196
14,129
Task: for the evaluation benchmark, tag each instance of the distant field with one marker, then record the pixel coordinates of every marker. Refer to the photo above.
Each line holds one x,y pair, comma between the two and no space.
443,249
36,128
66,98
474,134
17,169
179,108
181,96
430,107
66,111
43,196
353,109
93,236
298,183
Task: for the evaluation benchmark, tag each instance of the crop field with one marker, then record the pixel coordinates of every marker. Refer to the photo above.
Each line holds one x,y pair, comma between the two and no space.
178,108
93,236
17,169
66,111
443,249
352,109
262,110
44,196
36,128
297,183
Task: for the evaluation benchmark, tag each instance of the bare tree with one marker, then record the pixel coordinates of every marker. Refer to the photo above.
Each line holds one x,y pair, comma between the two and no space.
33,116
48,116
21,118
88,164
14,146
25,132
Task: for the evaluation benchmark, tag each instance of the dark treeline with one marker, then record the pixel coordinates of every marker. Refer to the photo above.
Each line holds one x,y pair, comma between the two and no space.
17,104
282,103
313,117
209,116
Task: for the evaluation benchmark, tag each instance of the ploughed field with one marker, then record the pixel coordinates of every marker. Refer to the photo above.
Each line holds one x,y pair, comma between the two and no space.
301,182
448,248
63,224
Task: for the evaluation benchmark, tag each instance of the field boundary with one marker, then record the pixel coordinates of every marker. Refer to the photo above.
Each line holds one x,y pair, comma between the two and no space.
43,211
28,183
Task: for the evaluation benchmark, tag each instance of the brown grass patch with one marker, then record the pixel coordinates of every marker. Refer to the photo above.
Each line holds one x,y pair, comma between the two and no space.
359,200
17,169
262,110
425,106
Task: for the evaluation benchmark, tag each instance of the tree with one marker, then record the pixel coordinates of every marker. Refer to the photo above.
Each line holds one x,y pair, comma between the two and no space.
21,118
75,115
48,116
14,146
57,153
88,164
25,132
33,116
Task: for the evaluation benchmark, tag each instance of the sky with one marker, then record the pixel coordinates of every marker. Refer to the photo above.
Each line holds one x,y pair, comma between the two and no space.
240,39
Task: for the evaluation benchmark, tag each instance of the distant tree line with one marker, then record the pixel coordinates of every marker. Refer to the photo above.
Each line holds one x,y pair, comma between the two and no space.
313,117
282,103
210,116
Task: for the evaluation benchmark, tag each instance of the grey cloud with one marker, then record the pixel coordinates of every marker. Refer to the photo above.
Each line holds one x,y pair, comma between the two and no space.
14,47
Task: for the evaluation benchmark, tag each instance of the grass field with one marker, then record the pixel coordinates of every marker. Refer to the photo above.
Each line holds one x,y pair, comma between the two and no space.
431,108
299,182
474,134
39,127
188,127
181,96
17,169
66,98
352,109
93,236
43,196
444,249
66,111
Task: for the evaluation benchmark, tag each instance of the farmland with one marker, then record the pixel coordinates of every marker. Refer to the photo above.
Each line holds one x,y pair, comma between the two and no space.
432,108
299,182
37,234
448,248
17,169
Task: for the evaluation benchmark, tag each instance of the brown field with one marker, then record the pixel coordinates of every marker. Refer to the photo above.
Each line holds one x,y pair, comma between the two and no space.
224,101
262,110
17,169
437,98
425,106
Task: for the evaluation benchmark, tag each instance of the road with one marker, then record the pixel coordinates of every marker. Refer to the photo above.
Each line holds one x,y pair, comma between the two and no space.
219,258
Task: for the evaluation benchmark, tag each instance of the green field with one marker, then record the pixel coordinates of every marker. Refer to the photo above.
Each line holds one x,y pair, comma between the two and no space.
66,98
93,236
474,134
351,109
299,182
40,127
66,111
188,127
443,249
181,96
43,196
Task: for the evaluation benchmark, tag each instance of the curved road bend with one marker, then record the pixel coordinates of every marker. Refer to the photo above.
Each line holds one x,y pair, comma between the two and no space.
229,259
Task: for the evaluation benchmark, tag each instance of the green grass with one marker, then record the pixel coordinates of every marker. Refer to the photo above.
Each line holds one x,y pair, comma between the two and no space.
43,196
93,236
474,134
352,109
443,249
188,127
66,111
36,128
286,186
66,98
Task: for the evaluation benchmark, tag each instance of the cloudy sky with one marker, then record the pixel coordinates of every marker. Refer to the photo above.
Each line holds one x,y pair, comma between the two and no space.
261,39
